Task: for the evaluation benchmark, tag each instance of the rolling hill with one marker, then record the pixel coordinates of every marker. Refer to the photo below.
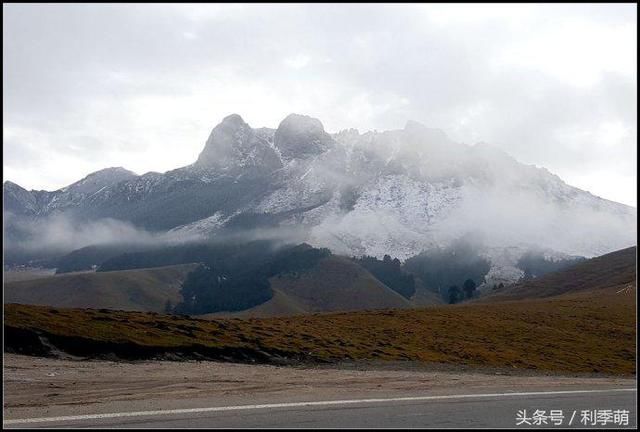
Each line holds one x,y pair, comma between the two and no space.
334,284
613,271
139,290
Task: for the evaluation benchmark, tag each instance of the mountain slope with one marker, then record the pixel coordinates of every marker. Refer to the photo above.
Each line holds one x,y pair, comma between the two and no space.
35,203
139,290
394,192
338,284
334,284
613,272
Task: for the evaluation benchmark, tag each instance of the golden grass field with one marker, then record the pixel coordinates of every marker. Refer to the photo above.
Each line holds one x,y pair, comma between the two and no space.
586,332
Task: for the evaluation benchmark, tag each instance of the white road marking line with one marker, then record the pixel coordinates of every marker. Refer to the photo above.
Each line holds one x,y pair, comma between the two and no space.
296,404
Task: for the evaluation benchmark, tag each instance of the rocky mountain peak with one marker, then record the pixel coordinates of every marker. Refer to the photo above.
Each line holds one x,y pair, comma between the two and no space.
413,125
418,130
99,179
225,140
9,185
17,200
234,120
111,172
300,136
233,144
391,192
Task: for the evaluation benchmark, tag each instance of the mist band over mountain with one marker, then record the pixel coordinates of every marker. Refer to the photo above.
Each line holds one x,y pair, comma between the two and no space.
395,192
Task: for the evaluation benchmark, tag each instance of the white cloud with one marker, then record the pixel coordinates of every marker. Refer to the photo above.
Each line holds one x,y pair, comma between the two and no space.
189,35
577,52
465,14
89,86
297,62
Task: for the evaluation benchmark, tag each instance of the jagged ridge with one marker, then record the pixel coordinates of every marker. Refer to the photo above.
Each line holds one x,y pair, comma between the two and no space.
394,192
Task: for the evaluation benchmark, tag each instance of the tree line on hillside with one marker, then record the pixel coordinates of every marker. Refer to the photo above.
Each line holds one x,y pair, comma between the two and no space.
453,272
160,256
234,275
389,271
534,264
238,277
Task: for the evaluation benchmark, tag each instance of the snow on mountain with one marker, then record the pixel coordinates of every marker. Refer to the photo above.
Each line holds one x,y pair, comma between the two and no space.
300,136
44,202
99,180
393,192
199,228
19,200
234,146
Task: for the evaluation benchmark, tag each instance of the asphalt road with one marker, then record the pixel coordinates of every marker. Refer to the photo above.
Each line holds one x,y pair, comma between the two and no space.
442,411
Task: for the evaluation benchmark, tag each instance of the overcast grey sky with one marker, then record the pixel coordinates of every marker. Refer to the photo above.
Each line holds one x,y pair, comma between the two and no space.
140,86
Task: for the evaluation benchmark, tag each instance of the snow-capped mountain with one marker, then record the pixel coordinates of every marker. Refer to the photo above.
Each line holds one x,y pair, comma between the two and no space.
19,200
394,192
